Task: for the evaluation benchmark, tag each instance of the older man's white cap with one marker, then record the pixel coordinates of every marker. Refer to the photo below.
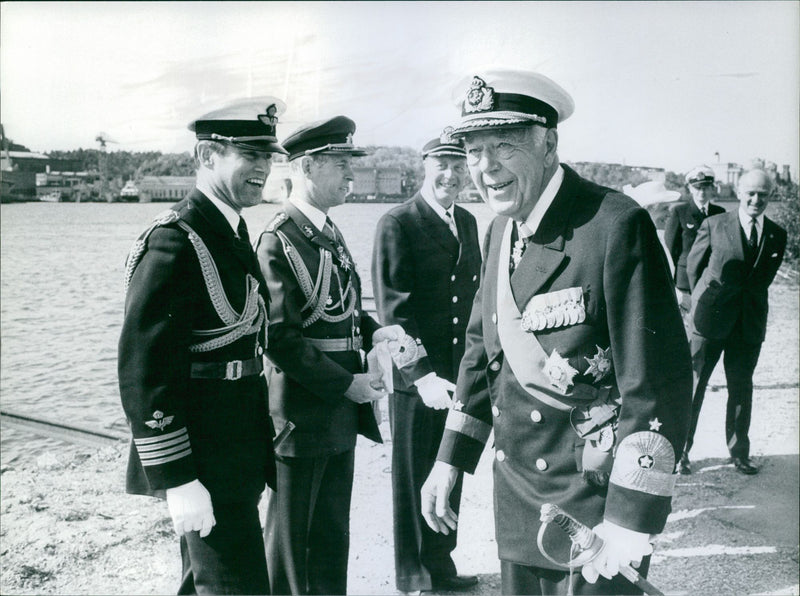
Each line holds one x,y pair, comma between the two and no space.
501,98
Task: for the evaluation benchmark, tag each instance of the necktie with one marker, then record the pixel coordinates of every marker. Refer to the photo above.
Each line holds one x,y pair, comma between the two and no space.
451,223
520,237
241,231
704,211
330,232
752,240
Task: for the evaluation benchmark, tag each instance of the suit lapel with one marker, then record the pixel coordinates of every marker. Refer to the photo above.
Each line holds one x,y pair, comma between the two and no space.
767,238
434,227
733,231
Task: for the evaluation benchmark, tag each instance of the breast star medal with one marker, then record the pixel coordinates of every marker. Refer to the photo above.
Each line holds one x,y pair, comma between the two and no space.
559,372
599,364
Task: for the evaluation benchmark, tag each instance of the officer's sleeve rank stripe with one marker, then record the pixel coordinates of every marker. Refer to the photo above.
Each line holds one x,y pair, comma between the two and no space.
467,425
644,462
154,451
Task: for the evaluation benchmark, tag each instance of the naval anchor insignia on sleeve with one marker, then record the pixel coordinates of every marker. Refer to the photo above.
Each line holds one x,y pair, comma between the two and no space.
561,308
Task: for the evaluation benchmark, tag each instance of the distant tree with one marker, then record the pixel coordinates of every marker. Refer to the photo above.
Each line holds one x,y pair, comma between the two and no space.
168,164
787,215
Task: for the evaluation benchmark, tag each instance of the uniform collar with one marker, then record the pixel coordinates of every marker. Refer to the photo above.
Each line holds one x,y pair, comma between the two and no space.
228,212
545,200
700,207
314,215
437,208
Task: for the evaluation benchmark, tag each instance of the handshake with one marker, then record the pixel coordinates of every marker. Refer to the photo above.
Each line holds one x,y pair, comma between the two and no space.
393,347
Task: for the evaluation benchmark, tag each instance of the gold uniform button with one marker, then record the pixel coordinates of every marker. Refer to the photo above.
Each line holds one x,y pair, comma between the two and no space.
494,366
455,299
355,313
494,318
541,465
536,416
455,320
495,411
260,351
500,455
455,340
452,278
474,278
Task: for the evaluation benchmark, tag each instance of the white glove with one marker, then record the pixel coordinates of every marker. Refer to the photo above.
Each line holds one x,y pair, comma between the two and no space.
433,390
190,507
621,547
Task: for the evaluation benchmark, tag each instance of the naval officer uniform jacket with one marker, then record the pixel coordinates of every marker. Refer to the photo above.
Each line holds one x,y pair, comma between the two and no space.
424,279
680,231
597,366
190,357
317,329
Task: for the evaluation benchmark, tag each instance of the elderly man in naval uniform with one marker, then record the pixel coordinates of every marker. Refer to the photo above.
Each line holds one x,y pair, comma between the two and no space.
576,354
191,356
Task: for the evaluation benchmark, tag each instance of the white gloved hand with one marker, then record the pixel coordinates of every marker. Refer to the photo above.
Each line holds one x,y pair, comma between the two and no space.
434,391
190,507
621,547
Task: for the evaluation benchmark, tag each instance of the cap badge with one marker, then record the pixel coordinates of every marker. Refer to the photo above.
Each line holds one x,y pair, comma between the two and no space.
446,138
349,140
269,118
480,98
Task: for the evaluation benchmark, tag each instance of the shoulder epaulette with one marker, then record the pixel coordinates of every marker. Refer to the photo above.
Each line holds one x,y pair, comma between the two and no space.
279,219
164,218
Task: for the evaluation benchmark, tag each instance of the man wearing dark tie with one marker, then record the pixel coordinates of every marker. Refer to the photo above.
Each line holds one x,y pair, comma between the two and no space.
730,267
682,224
320,393
425,268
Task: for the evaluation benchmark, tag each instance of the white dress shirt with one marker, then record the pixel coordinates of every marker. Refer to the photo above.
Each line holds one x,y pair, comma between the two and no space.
228,212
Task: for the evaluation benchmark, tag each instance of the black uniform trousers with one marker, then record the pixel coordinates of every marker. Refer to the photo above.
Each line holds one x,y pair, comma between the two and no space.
521,579
307,534
740,361
419,553
230,560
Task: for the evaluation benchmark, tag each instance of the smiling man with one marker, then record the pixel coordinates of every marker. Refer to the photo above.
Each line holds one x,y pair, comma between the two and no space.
425,266
190,356
730,268
575,354
321,396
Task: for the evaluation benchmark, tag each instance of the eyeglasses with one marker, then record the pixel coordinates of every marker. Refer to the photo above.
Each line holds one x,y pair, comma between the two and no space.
501,150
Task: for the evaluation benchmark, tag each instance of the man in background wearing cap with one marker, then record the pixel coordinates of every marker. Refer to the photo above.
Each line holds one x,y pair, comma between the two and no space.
681,227
576,355
730,267
190,357
425,268
320,395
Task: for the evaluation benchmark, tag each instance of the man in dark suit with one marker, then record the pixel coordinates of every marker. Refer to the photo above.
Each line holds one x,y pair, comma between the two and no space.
683,221
425,267
320,395
730,267
576,355
190,357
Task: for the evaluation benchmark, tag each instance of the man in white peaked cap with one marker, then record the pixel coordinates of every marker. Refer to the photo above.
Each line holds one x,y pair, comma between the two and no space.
575,354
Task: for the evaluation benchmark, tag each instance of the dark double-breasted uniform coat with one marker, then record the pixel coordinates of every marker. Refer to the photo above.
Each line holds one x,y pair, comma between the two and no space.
680,231
579,356
316,329
424,279
730,304
194,312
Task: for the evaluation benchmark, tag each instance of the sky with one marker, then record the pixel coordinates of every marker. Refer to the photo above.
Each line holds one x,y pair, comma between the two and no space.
660,84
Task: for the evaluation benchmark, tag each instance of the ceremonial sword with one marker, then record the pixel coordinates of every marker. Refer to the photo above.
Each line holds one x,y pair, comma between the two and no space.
588,544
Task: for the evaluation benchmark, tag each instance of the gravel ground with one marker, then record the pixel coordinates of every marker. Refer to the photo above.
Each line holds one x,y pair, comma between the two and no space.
66,527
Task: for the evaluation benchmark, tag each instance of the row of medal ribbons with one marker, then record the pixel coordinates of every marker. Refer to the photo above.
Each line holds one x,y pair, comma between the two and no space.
554,309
